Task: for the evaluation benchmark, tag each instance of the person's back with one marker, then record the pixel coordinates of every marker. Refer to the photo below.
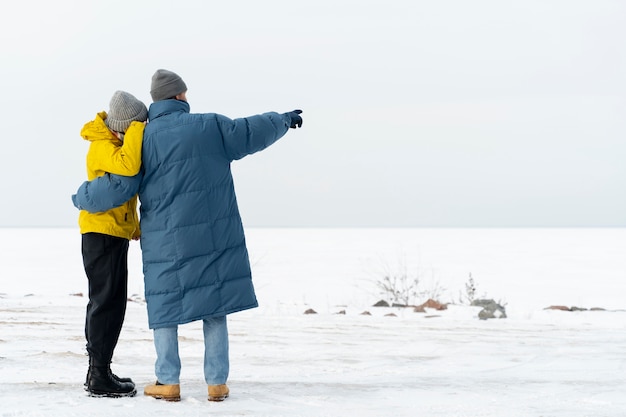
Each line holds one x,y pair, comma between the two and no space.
192,237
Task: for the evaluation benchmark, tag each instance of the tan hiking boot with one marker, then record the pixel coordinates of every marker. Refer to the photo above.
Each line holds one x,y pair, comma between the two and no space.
218,392
163,391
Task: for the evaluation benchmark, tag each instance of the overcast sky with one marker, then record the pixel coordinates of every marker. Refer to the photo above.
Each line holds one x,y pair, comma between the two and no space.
416,113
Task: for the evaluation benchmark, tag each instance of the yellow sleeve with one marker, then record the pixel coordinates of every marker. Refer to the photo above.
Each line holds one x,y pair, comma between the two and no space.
124,160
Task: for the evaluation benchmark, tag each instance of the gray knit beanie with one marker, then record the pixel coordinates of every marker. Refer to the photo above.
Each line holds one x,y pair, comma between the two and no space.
166,84
123,109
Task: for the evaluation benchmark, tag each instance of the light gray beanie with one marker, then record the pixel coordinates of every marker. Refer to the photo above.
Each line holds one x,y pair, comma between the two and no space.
166,84
123,109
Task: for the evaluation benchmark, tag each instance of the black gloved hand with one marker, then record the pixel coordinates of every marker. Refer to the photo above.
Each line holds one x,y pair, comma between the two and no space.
296,120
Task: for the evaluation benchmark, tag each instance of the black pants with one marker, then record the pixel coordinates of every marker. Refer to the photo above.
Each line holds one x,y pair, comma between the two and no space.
106,265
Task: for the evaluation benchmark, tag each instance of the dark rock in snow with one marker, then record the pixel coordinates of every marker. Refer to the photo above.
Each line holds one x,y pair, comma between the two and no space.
562,308
430,303
573,308
491,309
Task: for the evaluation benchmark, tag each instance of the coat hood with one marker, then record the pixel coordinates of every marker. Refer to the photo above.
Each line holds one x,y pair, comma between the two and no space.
97,129
164,107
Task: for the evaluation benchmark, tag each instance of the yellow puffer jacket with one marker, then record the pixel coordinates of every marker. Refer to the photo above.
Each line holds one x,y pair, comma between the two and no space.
109,154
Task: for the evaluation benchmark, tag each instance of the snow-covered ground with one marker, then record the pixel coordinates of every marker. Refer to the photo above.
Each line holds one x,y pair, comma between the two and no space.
536,362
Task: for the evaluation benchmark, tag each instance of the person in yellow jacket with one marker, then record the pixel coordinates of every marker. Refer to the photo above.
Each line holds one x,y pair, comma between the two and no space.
115,147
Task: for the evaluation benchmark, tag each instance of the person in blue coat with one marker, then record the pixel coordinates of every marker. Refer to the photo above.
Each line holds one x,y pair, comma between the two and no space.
195,260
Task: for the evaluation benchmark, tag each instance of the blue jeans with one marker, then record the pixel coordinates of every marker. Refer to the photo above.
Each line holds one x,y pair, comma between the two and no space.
216,363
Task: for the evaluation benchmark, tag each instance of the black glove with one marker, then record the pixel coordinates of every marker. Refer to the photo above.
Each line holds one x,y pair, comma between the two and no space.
296,120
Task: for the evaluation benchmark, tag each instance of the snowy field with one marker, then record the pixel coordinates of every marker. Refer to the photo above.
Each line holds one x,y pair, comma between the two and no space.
536,362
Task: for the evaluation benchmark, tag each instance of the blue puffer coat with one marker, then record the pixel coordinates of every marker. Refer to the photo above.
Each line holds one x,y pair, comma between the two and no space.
195,259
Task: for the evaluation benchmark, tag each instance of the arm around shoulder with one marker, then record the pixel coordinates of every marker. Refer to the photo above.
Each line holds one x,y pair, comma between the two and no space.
106,192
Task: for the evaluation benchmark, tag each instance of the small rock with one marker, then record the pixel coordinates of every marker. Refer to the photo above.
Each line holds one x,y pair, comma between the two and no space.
310,311
562,308
430,303
419,309
491,309
366,313
381,303
488,314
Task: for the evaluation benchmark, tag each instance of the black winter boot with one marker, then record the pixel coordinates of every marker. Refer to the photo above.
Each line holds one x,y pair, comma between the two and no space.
101,383
122,379
115,377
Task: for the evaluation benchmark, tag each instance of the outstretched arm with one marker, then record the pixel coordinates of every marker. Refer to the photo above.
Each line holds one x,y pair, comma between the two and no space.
106,192
248,135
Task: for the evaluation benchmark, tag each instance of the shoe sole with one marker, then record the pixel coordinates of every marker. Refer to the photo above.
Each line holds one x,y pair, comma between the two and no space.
217,399
104,394
166,398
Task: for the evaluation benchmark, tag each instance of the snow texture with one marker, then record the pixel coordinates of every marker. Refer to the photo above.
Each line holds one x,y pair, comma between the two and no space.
448,363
